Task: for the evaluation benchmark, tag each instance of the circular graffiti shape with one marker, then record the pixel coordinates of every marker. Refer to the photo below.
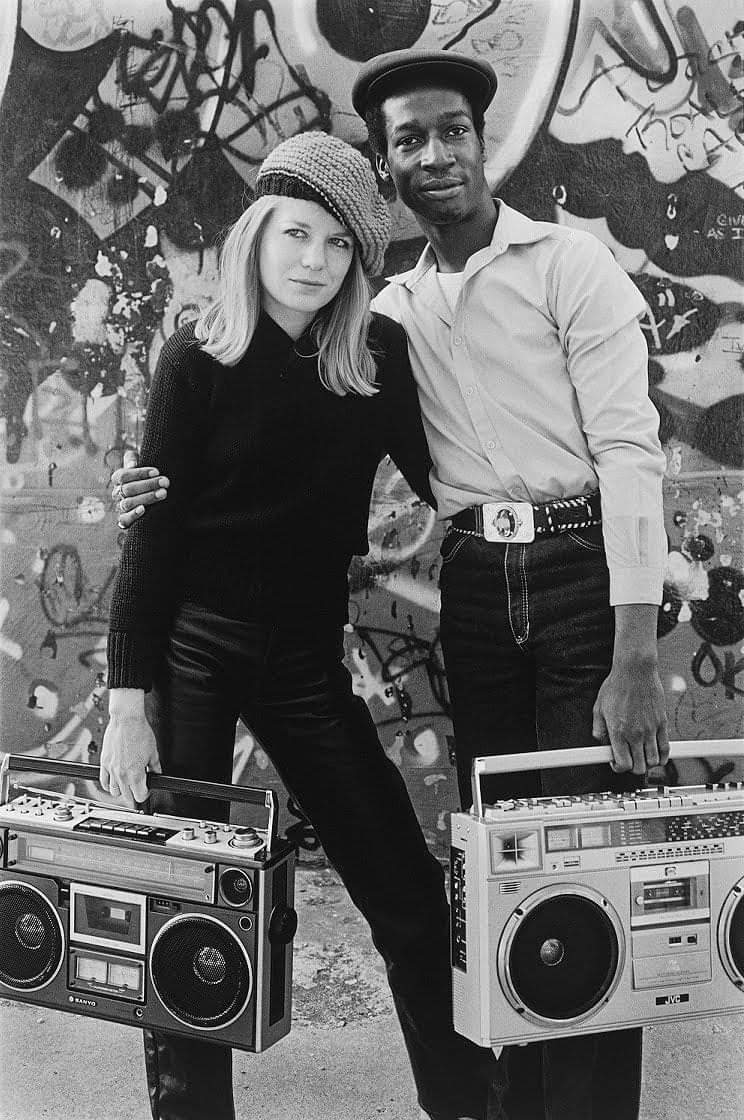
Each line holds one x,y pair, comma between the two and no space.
106,123
719,619
529,46
62,585
699,548
80,162
175,131
65,26
136,139
122,187
360,29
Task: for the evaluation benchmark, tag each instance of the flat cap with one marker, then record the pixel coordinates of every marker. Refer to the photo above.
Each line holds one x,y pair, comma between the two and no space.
385,72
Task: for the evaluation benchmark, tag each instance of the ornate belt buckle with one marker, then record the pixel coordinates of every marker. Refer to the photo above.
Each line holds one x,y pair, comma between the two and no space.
509,521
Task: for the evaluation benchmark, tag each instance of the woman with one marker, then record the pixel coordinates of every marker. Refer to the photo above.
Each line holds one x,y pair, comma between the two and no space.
232,595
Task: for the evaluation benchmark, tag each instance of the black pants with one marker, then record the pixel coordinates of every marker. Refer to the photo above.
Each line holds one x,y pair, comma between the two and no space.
527,636
294,693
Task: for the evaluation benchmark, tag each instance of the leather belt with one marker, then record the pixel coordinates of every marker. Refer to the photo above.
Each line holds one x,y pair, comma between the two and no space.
522,522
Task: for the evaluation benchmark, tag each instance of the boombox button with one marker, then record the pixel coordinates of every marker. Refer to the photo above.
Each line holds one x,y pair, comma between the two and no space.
188,834
210,836
245,838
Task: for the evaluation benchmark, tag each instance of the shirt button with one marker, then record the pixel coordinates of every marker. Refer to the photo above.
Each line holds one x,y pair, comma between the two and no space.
457,340
491,444
469,391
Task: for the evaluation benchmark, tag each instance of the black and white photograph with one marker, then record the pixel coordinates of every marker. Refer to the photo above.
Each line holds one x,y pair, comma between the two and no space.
371,560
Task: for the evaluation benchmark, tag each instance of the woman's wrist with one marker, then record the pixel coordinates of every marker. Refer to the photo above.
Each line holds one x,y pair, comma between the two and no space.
126,703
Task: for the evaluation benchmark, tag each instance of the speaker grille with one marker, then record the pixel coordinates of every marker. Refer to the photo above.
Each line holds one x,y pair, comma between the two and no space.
31,939
731,934
201,971
736,937
563,956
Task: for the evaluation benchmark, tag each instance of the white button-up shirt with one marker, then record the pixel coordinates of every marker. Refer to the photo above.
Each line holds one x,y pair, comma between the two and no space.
535,386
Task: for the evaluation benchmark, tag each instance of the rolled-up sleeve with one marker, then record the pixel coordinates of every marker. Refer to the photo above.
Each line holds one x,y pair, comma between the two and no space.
597,308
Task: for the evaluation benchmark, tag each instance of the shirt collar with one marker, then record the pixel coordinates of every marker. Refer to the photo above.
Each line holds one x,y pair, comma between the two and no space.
512,228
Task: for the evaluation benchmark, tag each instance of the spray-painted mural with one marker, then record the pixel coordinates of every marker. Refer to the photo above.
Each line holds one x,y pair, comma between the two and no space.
130,134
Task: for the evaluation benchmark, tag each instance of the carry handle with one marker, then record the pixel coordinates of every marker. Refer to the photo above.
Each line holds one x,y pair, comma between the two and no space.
585,756
217,791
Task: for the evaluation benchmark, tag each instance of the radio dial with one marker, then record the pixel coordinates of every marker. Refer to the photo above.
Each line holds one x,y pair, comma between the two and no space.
63,813
246,838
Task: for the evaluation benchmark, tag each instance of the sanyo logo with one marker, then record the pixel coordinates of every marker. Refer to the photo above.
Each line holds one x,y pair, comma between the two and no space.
83,1002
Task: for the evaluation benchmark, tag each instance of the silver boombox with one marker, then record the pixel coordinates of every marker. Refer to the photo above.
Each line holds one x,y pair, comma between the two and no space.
154,921
572,915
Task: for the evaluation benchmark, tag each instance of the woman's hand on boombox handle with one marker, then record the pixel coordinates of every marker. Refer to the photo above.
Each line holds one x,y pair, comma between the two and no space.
129,750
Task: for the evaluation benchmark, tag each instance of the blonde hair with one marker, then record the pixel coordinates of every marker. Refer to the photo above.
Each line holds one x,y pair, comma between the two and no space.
225,329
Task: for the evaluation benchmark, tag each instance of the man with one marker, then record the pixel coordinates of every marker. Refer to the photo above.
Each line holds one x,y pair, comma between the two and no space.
532,377
531,372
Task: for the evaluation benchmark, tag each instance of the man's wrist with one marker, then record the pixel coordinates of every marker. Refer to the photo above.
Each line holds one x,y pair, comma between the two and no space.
635,635
635,660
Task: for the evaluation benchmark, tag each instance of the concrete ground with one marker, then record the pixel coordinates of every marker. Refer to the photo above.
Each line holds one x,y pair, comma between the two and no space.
344,1058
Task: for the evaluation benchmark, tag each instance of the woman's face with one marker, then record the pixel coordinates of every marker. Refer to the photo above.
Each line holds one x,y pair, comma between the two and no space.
303,259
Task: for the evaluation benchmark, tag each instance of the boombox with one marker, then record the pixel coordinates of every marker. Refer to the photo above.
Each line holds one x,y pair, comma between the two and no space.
573,915
155,921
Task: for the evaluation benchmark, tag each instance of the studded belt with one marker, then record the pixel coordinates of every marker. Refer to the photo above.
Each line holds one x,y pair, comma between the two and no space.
522,522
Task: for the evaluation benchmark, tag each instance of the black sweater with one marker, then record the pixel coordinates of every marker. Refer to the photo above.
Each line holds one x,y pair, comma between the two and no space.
271,478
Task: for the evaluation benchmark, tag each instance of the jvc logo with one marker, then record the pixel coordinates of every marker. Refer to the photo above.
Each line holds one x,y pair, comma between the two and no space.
671,1001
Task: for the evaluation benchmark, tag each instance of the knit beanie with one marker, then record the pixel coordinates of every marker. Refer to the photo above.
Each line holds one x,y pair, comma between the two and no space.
324,169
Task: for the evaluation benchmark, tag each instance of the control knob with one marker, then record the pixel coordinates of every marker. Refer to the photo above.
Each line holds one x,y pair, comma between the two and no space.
246,838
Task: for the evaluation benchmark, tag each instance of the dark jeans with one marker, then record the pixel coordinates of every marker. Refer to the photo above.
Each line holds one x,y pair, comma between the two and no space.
293,691
527,637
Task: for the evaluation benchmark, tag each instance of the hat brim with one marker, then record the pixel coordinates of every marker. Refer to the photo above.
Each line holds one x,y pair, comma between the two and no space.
381,76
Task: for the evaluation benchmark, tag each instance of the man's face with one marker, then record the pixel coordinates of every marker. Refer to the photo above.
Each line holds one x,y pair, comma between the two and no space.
434,155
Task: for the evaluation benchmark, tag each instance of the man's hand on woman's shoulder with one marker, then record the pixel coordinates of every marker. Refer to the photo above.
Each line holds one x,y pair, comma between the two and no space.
134,488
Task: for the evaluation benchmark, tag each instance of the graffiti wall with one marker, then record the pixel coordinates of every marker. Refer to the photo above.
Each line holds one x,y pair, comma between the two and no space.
130,135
